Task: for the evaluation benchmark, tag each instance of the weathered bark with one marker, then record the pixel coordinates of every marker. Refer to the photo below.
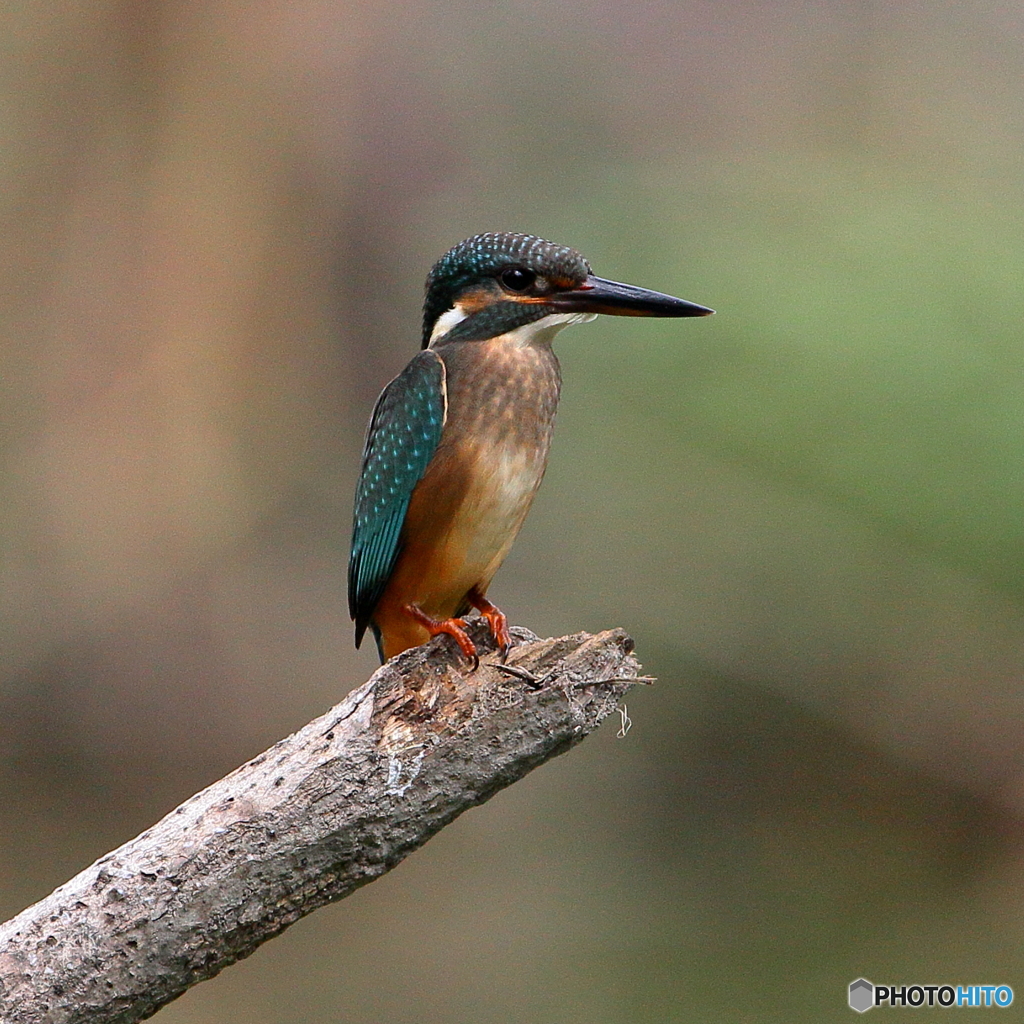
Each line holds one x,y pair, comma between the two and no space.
308,821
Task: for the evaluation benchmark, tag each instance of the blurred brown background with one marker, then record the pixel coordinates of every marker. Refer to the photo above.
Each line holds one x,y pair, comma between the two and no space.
809,510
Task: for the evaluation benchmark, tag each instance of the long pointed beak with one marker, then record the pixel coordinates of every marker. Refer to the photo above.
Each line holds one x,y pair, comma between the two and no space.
596,295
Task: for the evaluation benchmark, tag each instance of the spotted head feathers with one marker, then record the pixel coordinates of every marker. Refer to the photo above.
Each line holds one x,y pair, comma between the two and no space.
497,280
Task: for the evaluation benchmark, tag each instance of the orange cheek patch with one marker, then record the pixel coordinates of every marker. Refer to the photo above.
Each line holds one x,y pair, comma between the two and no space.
474,300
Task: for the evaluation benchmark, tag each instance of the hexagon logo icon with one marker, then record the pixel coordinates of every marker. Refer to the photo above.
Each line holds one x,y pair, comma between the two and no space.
862,995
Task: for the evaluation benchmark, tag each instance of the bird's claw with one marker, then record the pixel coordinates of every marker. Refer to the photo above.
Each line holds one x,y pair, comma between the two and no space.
455,628
497,622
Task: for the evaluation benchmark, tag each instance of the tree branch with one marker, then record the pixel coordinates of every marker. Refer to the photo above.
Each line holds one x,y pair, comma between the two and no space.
319,814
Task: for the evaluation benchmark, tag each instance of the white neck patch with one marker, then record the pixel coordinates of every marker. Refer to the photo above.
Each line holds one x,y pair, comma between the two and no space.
446,321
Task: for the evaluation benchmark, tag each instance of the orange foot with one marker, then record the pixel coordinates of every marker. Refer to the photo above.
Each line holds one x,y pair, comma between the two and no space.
455,628
495,620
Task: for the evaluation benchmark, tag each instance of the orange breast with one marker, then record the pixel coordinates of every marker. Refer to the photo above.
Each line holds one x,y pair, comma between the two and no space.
467,510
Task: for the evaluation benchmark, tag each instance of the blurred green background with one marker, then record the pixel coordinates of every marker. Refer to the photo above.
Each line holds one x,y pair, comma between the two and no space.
807,509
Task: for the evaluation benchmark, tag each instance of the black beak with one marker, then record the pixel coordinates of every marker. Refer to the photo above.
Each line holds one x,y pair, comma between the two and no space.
596,295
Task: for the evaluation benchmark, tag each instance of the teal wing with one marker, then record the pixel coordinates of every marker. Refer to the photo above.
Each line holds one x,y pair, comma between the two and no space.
404,433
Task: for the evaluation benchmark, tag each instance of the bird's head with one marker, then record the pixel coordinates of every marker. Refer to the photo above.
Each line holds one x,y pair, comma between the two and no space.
494,283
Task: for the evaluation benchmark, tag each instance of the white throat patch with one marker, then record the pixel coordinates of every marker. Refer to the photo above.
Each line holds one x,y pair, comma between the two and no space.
543,331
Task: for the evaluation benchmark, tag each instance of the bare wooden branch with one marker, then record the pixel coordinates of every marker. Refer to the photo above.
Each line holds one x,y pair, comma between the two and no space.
308,821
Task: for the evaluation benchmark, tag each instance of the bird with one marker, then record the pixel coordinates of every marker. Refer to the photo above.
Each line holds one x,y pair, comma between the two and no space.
458,442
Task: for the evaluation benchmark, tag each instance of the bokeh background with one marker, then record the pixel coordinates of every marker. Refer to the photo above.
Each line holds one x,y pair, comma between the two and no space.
808,510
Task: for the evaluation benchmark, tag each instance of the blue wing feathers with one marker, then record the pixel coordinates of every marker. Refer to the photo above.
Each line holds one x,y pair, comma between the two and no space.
404,433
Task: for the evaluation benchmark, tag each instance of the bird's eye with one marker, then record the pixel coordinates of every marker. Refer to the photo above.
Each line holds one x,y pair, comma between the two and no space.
517,279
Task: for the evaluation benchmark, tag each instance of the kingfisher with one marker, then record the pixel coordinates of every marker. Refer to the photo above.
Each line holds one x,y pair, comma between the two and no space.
458,442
